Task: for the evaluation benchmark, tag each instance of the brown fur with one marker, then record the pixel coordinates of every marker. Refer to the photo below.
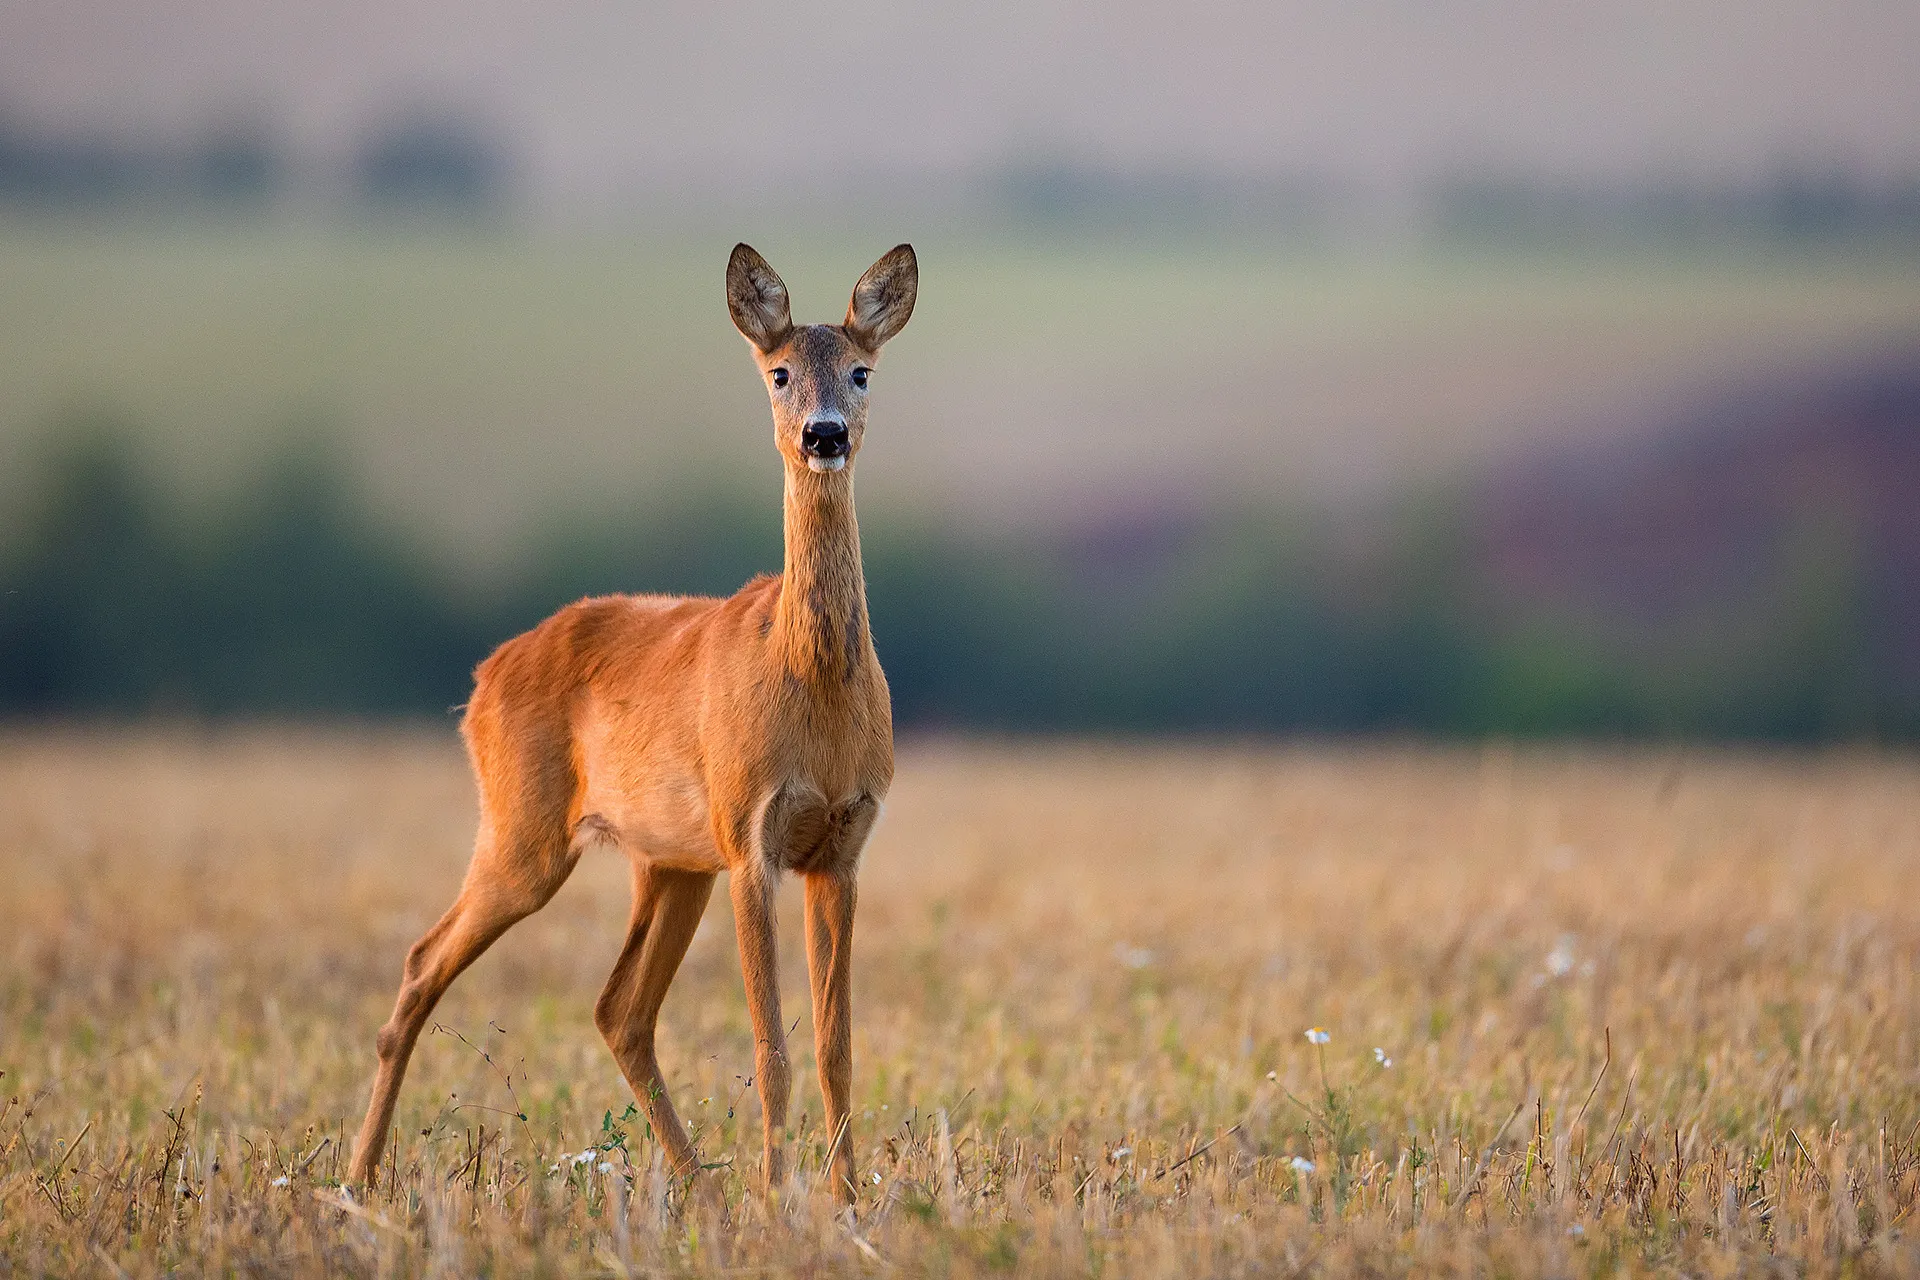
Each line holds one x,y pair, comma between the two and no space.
751,735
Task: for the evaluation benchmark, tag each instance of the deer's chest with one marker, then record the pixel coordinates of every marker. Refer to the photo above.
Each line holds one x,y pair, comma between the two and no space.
826,767
803,830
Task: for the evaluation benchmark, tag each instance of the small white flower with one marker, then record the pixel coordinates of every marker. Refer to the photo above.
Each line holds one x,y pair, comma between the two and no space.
606,1166
1380,1056
1316,1036
876,1177
1576,1231
1560,959
585,1157
1299,1164
1273,1075
282,1181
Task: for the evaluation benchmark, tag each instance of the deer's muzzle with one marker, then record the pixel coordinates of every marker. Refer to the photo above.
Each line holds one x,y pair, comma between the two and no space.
824,438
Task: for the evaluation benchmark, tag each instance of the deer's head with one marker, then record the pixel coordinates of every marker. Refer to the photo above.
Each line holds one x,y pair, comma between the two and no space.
817,374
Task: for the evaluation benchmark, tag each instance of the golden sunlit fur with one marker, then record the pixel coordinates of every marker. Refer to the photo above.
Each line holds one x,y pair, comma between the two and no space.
751,735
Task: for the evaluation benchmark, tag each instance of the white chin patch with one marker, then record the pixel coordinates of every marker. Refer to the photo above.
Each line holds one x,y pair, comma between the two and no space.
827,464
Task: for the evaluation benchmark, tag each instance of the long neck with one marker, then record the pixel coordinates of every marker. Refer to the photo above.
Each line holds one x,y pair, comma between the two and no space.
819,628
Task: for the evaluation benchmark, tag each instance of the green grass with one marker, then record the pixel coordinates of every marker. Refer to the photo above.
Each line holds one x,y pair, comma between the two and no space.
484,381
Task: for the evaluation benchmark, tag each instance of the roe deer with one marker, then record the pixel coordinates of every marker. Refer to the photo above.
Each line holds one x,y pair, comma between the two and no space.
751,735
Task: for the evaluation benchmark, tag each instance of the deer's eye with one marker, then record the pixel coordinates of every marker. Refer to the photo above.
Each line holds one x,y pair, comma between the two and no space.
860,377
780,377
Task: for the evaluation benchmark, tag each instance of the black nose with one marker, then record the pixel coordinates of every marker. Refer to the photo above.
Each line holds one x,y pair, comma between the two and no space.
826,439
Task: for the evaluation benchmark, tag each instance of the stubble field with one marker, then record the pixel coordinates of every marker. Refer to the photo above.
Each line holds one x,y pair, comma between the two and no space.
1584,1013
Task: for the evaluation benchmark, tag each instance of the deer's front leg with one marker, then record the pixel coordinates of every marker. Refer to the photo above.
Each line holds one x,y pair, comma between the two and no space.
751,886
830,899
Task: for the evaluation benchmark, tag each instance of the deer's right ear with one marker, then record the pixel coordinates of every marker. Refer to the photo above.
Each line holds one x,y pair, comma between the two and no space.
757,299
883,298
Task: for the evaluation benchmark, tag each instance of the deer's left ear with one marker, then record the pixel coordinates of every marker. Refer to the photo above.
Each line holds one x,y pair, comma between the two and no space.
757,299
883,300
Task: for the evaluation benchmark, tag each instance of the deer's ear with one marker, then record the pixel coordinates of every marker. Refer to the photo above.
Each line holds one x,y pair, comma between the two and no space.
883,300
757,299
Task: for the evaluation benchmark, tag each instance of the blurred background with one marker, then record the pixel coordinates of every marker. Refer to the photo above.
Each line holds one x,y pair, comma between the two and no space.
1448,369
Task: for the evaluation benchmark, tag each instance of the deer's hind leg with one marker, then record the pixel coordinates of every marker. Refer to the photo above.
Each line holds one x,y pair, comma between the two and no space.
667,906
512,875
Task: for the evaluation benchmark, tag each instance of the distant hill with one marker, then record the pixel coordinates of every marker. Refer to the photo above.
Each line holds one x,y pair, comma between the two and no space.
1769,535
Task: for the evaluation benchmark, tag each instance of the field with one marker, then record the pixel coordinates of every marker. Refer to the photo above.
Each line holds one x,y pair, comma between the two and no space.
479,384
1584,1013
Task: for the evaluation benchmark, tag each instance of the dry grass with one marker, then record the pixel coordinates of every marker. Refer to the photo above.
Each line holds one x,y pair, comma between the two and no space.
1083,981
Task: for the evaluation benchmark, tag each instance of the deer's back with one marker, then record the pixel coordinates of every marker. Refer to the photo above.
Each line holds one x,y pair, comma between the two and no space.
625,717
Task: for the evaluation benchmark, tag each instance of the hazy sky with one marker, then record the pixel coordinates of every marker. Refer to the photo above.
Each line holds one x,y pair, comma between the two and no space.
606,99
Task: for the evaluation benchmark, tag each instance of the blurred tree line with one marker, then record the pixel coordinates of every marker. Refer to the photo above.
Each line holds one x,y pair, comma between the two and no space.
441,163
293,601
